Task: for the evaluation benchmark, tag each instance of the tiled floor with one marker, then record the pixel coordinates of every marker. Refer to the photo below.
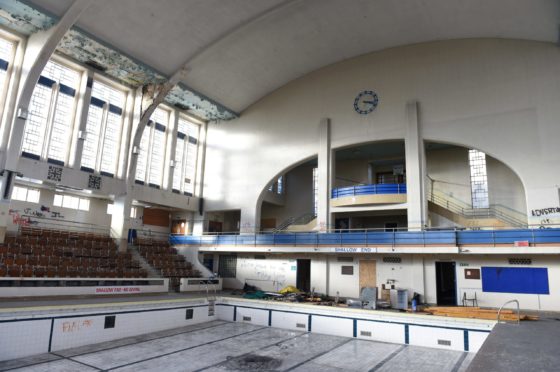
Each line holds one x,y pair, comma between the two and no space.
224,346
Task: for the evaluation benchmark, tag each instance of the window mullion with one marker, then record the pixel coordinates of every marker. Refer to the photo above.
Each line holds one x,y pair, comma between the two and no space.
101,139
149,152
50,118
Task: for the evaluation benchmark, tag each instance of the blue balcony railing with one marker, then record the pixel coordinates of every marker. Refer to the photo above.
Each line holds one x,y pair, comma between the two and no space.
389,188
367,238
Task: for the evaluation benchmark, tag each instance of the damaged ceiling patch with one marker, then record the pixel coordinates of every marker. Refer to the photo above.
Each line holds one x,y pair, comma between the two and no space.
78,45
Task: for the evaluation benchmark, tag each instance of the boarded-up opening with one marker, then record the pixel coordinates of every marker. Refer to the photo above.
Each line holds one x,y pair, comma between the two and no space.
156,217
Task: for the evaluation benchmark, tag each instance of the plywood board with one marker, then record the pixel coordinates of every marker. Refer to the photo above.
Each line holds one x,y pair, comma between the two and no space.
368,274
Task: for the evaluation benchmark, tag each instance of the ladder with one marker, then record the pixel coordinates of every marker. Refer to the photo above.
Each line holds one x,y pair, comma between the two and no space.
211,298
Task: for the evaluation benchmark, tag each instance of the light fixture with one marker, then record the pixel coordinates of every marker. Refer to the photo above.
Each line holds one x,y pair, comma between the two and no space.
82,135
135,150
171,163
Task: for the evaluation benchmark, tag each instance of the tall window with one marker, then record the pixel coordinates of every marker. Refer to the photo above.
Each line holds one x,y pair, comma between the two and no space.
104,125
51,114
6,55
479,179
152,150
184,173
315,190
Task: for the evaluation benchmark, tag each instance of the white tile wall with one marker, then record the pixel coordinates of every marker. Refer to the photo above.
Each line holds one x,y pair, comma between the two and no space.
332,326
20,339
289,320
258,316
429,336
386,332
79,331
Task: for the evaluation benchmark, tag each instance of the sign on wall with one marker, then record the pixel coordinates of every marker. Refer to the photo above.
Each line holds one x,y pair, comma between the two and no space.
528,280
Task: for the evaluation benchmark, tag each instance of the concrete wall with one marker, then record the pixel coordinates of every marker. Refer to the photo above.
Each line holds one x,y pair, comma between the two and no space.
298,196
449,172
498,96
415,272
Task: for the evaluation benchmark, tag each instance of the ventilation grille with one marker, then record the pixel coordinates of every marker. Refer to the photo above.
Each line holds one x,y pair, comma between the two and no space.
365,333
520,261
246,318
260,257
345,259
301,325
392,259
444,342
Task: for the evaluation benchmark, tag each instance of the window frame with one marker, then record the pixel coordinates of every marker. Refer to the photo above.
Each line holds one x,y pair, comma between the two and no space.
106,109
49,125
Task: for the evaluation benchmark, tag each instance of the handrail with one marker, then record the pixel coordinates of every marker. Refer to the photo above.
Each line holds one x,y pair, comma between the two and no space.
373,189
502,307
498,211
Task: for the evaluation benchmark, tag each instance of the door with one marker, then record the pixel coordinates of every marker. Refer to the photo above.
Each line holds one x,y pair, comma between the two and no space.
178,227
446,283
303,275
368,274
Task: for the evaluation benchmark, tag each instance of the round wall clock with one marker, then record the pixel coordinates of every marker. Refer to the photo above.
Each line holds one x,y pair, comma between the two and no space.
366,102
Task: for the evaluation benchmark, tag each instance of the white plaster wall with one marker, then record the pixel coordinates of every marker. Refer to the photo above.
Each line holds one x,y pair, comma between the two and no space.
298,196
499,96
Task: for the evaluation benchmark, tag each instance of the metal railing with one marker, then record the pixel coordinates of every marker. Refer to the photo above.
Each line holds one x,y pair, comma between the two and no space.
392,188
381,237
299,220
497,211
502,307
45,223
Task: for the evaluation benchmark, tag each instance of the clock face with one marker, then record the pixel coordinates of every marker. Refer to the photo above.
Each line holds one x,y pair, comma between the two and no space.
366,102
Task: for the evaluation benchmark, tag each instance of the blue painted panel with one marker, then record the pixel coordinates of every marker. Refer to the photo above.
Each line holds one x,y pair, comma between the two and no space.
3,64
529,280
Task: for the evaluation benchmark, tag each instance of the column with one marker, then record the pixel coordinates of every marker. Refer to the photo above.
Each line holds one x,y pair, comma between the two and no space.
120,221
415,169
324,176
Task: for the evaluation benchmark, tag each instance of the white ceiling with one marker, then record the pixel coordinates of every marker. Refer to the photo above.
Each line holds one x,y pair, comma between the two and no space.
296,37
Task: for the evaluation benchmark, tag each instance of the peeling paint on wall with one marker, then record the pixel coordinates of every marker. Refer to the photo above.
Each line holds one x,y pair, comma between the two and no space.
81,47
22,18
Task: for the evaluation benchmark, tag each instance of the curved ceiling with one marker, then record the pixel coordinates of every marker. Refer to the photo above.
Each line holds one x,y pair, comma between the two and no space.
245,49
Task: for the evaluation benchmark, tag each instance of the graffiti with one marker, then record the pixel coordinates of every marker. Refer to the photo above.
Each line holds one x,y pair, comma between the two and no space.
545,211
75,326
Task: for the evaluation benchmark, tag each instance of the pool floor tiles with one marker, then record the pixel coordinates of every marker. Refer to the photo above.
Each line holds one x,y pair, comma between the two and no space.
226,346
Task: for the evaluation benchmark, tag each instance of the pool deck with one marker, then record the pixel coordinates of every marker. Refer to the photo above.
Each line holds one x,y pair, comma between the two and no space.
529,346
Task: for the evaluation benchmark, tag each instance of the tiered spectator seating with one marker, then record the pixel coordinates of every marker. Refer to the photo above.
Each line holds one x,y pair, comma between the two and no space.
53,254
165,259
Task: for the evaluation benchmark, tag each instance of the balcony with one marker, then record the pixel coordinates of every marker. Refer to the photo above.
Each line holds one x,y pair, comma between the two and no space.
393,193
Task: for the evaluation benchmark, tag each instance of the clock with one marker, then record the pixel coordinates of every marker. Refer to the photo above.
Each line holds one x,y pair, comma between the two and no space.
366,102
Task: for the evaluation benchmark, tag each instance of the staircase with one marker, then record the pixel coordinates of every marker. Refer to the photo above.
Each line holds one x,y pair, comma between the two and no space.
464,214
152,273
302,220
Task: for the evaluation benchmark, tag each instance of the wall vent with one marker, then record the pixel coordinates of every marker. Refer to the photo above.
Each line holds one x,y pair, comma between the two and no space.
345,259
365,333
110,321
301,325
520,261
246,318
260,257
189,314
444,342
392,259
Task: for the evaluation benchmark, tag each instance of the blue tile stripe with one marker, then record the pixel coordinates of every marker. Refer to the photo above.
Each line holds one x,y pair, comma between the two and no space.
406,334
355,328
466,340
270,318
309,317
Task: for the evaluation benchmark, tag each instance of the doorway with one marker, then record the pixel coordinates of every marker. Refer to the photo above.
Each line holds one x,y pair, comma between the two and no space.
368,277
303,275
446,283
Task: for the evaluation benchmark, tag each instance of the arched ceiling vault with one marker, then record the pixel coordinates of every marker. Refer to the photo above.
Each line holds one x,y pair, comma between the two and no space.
264,44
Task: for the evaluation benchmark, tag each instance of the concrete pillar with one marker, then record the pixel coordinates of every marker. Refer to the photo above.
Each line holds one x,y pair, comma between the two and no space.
78,142
120,220
415,169
324,176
